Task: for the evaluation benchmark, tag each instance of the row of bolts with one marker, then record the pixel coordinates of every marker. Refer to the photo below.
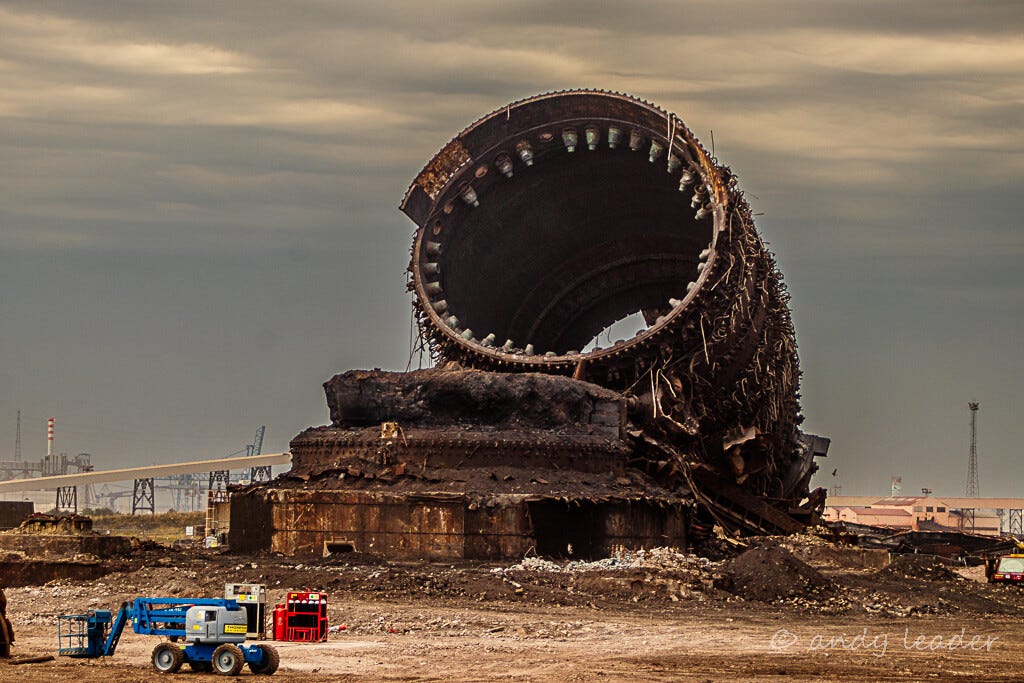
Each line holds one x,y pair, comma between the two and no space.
503,163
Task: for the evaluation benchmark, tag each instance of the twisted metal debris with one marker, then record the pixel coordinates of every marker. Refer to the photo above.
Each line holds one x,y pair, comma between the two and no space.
546,221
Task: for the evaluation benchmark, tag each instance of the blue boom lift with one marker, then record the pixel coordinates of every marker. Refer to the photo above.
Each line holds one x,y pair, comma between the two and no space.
212,630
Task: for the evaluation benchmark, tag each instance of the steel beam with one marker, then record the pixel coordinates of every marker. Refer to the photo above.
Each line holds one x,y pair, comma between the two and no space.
219,480
259,474
67,499
143,496
1016,523
153,471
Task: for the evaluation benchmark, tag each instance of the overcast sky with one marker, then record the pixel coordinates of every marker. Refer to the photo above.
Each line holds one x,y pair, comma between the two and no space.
199,215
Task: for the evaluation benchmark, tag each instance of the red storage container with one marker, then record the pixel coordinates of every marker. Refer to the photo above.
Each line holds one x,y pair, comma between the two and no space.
280,622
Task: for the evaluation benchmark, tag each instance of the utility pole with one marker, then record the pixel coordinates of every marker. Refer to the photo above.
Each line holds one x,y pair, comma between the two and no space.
972,463
17,439
972,467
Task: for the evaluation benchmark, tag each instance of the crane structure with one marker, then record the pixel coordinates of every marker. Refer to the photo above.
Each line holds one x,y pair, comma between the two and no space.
261,472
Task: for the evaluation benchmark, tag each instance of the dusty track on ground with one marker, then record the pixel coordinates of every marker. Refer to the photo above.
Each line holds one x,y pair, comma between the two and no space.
572,644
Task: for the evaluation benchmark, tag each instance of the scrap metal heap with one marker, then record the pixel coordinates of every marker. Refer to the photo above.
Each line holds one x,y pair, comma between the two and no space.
540,226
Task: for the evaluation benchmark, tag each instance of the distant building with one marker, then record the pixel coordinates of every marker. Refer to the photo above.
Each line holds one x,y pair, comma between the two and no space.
913,512
896,519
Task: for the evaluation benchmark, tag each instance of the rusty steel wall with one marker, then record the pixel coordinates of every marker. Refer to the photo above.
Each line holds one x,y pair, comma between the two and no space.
395,526
251,521
445,527
14,512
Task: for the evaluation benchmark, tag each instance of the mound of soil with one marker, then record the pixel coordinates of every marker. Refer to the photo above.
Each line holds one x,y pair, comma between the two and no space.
21,572
925,567
773,573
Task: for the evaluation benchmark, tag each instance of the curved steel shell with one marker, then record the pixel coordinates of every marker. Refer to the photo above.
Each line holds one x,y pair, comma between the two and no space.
548,220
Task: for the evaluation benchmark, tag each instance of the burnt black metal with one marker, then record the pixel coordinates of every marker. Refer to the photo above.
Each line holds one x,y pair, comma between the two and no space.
539,226
551,218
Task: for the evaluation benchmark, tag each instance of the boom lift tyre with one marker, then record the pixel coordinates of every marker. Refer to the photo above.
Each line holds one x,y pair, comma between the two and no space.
228,660
167,658
271,660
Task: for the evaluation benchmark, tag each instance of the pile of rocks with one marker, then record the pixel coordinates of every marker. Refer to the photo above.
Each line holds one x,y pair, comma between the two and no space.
926,567
654,558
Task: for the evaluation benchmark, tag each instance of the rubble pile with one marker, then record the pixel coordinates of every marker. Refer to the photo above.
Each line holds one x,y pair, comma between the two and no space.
773,573
926,567
48,547
803,540
63,525
820,548
655,558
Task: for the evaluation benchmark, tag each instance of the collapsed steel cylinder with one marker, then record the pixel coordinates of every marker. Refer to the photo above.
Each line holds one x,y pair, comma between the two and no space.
548,220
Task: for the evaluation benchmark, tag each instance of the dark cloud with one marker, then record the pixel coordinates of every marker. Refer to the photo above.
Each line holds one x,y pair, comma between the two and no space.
199,224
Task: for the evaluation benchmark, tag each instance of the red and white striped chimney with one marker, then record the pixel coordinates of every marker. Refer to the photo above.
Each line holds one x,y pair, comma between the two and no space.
49,436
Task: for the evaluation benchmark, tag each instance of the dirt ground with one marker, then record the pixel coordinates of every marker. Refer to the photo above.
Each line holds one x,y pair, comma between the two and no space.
657,617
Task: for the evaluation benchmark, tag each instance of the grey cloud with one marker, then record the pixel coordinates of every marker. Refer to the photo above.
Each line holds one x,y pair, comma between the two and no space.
203,198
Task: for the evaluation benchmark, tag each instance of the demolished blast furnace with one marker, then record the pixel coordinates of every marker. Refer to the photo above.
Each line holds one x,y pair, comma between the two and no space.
540,226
